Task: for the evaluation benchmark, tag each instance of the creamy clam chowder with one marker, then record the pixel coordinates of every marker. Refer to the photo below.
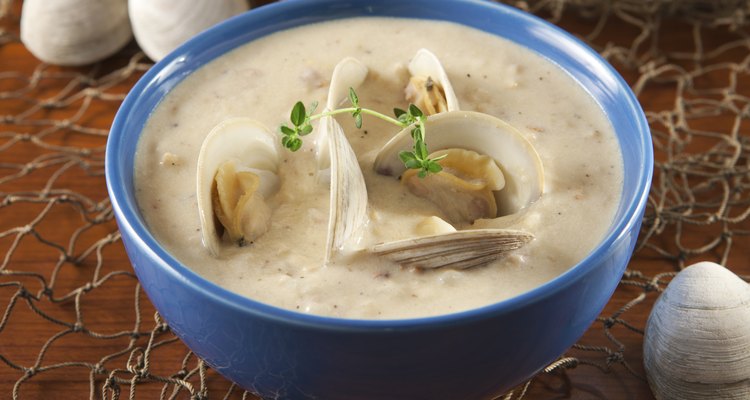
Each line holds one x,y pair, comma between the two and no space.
284,266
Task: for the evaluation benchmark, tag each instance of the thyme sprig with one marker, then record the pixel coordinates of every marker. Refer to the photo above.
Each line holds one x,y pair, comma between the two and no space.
417,158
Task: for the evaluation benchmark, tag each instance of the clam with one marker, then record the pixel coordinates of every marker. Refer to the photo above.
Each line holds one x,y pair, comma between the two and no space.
160,26
348,73
348,204
236,173
697,338
74,32
468,179
429,87
348,201
459,249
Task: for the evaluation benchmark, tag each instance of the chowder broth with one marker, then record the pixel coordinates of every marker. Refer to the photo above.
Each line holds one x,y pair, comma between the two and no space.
284,267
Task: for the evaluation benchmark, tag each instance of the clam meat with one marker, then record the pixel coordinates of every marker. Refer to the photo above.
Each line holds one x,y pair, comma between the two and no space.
467,181
490,170
429,87
237,172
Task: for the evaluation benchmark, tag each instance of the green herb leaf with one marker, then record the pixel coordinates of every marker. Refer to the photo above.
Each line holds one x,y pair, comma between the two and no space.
287,130
313,107
306,129
404,117
415,111
358,120
438,158
420,149
433,166
416,132
409,160
298,114
353,98
294,144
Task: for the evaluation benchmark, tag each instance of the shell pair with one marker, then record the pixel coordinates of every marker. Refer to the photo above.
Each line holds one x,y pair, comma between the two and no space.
79,32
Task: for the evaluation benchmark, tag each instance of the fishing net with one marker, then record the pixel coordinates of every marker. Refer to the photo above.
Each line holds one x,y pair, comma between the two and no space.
61,259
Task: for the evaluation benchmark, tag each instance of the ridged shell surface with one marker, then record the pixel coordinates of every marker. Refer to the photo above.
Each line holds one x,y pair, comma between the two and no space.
697,339
160,26
74,32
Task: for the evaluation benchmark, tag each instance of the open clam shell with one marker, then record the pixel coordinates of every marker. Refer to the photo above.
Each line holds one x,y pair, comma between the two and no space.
515,155
429,87
348,204
348,73
336,158
252,147
459,249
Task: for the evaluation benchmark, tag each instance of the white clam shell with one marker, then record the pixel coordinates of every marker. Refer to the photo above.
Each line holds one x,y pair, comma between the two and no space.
484,134
160,26
348,201
697,338
253,147
348,73
74,32
348,204
456,249
426,63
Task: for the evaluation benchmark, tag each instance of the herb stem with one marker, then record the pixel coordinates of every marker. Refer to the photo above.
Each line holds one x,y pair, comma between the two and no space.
363,110
418,158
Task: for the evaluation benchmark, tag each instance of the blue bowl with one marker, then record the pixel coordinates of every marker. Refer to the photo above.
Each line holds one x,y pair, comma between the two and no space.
473,354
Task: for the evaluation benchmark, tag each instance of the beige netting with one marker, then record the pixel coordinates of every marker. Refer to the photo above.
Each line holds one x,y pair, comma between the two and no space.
62,259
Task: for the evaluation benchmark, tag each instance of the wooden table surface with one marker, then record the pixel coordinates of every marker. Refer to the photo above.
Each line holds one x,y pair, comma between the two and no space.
42,256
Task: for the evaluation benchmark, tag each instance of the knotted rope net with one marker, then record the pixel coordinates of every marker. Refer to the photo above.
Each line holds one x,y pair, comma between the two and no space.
62,259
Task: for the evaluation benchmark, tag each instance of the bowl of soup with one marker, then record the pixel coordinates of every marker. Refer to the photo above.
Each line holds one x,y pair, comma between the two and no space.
281,318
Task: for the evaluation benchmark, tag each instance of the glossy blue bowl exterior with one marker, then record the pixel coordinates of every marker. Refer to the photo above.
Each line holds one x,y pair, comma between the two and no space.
474,354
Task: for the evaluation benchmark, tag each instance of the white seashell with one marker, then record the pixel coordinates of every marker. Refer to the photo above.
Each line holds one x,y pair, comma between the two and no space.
697,339
429,87
518,160
251,147
160,26
348,204
459,249
348,73
74,32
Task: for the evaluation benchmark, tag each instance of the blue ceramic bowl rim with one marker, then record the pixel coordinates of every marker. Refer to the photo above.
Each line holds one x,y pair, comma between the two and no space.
129,220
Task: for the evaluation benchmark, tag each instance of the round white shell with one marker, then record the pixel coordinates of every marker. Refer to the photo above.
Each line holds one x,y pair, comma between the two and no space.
697,339
426,63
483,134
74,32
252,146
160,26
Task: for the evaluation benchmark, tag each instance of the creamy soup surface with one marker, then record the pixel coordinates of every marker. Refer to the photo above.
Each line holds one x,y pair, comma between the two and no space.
284,267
